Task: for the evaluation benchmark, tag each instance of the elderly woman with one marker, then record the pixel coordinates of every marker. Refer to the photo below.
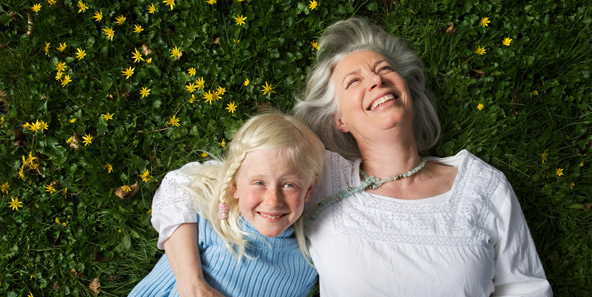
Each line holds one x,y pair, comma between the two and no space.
385,221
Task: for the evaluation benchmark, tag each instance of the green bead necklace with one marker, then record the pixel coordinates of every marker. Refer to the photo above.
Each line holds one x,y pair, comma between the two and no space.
368,182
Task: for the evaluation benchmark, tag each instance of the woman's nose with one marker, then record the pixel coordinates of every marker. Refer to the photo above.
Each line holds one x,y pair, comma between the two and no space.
375,81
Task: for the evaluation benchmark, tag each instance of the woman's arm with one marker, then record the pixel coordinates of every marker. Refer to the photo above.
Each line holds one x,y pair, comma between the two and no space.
183,255
518,269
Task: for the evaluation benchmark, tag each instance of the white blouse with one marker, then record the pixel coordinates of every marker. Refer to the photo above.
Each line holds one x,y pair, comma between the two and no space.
470,241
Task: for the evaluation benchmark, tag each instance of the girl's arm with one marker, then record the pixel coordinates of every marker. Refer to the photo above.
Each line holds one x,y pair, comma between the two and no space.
183,255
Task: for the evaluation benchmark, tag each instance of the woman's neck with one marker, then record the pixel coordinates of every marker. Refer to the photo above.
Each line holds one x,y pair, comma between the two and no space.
389,156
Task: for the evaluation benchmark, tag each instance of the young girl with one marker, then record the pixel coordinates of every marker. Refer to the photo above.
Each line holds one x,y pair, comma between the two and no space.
246,209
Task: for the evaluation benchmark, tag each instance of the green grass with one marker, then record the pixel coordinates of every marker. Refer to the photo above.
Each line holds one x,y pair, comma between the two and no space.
535,95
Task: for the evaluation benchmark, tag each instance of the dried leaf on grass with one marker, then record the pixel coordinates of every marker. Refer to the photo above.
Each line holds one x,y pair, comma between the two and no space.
119,192
95,286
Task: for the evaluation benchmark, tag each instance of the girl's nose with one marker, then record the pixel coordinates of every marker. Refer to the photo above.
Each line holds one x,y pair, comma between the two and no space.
273,197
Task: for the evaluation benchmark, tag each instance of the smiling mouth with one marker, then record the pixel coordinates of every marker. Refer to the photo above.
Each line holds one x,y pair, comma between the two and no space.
382,100
271,217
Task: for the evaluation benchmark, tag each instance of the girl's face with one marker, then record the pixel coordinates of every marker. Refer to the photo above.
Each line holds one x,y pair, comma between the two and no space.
270,191
372,96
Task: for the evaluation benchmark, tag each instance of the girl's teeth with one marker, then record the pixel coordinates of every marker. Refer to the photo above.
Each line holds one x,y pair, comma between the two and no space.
383,99
270,216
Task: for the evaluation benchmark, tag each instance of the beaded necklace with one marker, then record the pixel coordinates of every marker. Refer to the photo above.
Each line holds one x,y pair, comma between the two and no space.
368,182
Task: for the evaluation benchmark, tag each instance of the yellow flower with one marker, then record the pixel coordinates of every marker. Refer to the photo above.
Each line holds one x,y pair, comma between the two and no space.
87,139
191,71
109,33
138,29
544,156
211,2
107,116
267,89
480,51
30,161
69,140
146,177
21,172
4,188
535,92
144,92
109,167
507,41
137,56
240,20
223,143
46,49
151,9
247,82
82,6
42,125
581,164
66,80
59,75
480,106
36,8
559,171
170,3
231,107
60,66
15,203
237,41
73,120
192,99
126,188
191,87
30,295
312,4
80,54
62,46
120,20
572,185
174,121
129,71
175,52
50,189
200,82
485,21
315,44
220,91
149,60
209,97
204,154
98,16
51,2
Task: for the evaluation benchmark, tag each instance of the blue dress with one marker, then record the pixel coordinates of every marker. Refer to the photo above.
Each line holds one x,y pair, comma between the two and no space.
276,267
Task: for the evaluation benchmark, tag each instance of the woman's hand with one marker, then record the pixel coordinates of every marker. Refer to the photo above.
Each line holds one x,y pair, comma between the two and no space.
183,255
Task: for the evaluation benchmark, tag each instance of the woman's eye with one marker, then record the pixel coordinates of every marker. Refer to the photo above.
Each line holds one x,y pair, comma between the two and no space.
385,69
352,82
258,183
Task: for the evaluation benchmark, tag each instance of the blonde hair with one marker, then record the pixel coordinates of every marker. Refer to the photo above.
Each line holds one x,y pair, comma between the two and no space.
211,184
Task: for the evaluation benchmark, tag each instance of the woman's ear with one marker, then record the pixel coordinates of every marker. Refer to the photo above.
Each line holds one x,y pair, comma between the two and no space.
341,125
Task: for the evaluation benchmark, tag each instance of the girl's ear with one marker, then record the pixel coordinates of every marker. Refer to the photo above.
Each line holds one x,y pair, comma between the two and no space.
310,189
233,190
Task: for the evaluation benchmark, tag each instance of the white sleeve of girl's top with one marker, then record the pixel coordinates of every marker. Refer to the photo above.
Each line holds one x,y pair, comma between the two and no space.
518,269
172,205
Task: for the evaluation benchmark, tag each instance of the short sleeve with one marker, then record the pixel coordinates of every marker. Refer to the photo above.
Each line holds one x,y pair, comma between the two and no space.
172,205
518,269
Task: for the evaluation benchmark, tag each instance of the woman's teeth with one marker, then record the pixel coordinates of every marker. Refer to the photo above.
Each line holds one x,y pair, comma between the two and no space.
381,100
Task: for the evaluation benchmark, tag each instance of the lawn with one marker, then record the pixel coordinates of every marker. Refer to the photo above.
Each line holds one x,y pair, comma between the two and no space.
99,99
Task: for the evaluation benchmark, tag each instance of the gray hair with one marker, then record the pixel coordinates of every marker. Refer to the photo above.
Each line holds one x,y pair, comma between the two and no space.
319,108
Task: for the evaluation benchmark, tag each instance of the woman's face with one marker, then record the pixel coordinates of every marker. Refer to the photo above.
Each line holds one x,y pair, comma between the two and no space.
372,96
